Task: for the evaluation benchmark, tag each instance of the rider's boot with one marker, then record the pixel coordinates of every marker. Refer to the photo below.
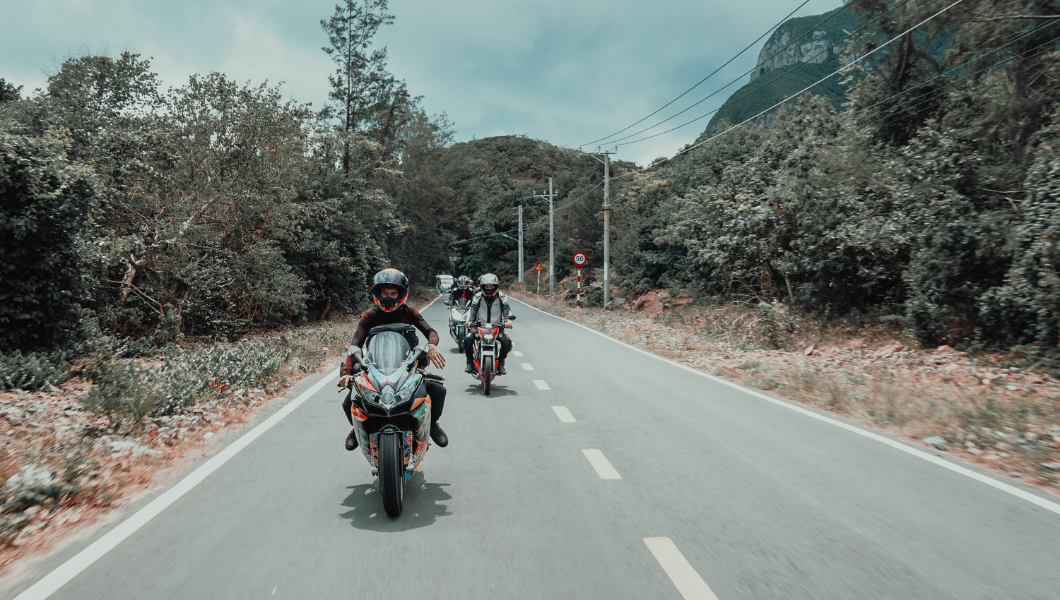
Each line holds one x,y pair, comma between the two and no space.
470,368
500,369
351,440
438,435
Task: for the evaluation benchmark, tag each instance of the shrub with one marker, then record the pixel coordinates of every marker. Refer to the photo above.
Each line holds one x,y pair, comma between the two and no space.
32,371
126,390
223,366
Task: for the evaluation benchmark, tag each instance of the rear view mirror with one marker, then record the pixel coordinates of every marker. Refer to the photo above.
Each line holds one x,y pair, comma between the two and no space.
511,318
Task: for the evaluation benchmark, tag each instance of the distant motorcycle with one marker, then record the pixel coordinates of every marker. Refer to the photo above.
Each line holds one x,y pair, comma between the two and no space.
391,410
457,318
485,353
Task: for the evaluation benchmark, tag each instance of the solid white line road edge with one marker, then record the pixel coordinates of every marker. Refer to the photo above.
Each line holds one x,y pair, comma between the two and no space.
690,585
945,464
51,582
601,464
564,414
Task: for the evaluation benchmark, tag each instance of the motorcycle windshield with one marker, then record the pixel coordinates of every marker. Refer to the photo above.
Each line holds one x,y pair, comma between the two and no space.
387,352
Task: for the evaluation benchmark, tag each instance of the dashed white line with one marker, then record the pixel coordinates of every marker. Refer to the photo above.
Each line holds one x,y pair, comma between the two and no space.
527,366
601,464
564,414
516,353
1049,505
688,582
541,385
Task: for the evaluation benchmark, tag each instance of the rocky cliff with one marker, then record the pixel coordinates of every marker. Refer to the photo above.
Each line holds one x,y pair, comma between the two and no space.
774,77
810,49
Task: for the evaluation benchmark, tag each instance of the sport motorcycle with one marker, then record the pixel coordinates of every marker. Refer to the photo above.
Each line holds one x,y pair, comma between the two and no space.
391,410
457,320
486,352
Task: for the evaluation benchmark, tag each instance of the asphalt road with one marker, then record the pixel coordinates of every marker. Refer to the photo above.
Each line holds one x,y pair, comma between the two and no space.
719,492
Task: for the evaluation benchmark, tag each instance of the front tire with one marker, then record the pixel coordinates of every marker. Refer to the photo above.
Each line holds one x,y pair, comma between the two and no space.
487,378
391,473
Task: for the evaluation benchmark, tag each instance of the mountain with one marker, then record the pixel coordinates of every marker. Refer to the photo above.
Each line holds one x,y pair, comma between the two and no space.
782,71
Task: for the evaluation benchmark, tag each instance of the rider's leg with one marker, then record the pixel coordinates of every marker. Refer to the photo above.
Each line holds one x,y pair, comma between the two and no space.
347,404
506,347
437,393
351,439
469,352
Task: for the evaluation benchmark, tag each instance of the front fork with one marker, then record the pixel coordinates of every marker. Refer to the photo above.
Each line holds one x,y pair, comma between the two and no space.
413,443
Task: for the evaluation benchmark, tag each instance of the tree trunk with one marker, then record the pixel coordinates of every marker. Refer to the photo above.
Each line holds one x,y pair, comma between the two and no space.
327,307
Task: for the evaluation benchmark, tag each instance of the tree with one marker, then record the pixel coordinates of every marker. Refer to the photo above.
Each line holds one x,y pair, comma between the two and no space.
47,206
8,91
365,97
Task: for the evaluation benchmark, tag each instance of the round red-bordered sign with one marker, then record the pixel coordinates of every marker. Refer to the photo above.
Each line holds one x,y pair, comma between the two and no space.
580,259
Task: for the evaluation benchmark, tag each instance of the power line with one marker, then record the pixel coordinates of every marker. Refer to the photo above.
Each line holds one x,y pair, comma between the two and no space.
927,98
749,46
485,237
950,71
775,78
891,97
840,70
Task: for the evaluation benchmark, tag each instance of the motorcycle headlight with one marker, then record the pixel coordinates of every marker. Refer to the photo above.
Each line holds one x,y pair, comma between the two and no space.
404,394
387,398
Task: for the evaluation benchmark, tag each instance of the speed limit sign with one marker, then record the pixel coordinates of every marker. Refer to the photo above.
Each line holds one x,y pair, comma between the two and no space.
580,259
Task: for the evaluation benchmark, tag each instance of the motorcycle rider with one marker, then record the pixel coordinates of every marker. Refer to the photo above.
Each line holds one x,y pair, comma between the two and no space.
489,303
390,290
461,289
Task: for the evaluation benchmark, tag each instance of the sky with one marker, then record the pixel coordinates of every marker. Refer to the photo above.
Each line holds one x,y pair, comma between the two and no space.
564,71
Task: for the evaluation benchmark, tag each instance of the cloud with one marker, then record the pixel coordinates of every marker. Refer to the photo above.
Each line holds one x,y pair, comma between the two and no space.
566,72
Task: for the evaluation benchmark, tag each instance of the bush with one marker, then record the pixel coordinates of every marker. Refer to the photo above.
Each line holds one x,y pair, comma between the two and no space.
32,371
224,366
127,390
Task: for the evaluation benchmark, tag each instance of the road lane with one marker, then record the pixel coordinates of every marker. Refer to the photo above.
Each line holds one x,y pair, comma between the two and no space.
766,503
295,512
761,501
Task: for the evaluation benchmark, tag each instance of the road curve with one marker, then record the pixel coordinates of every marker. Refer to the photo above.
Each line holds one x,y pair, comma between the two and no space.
592,471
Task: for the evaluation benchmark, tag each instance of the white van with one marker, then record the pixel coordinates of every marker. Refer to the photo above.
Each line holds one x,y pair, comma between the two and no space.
444,282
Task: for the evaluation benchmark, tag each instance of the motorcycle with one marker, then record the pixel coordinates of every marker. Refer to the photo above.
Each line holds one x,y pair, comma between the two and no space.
486,353
391,410
457,318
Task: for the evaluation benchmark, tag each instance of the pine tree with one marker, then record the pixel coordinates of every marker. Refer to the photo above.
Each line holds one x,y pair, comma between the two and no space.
365,98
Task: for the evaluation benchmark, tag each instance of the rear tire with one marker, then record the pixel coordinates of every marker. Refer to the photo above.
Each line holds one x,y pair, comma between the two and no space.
487,378
391,473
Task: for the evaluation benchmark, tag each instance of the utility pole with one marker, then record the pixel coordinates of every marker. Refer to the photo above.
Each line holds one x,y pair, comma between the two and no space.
520,243
606,160
551,239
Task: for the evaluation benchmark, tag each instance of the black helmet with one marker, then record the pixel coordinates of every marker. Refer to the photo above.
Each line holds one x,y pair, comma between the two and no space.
489,284
463,282
390,278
